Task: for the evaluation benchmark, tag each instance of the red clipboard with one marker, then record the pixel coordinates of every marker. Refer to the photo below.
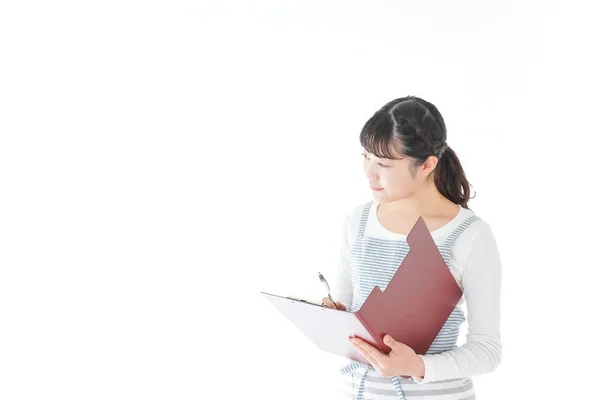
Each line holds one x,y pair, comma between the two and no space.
413,308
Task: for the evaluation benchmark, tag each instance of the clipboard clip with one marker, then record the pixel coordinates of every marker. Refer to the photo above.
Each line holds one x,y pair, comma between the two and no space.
306,301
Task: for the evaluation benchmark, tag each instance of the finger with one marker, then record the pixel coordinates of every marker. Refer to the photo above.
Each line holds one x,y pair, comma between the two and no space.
327,302
396,347
340,306
390,341
366,355
378,358
370,359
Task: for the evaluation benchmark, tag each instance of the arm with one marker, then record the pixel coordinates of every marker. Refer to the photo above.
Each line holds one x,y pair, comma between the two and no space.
341,289
482,351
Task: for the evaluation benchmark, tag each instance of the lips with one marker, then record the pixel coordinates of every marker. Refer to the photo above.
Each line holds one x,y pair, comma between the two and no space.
374,188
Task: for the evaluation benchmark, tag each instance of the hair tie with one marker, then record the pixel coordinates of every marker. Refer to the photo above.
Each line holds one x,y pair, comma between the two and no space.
443,148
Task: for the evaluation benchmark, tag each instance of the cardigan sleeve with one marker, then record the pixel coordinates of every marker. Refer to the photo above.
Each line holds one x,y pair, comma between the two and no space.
342,282
482,351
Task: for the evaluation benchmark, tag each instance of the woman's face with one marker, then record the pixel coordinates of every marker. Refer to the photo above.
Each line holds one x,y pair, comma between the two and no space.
391,180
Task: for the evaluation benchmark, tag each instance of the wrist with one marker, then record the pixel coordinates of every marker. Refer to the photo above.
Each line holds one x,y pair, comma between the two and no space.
417,368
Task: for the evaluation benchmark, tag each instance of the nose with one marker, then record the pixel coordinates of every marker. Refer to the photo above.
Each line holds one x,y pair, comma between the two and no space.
371,173
373,179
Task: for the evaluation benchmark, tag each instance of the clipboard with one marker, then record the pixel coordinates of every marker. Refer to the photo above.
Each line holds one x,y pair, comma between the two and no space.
413,308
326,327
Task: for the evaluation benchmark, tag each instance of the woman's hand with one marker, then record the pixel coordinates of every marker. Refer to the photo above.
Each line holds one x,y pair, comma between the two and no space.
402,360
329,304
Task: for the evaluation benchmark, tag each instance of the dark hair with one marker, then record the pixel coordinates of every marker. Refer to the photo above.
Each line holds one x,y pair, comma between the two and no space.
415,128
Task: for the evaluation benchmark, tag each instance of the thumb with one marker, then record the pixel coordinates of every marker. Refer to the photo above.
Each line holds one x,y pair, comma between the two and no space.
387,339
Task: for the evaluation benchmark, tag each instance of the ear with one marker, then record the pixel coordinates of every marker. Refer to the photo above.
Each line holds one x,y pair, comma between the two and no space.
429,165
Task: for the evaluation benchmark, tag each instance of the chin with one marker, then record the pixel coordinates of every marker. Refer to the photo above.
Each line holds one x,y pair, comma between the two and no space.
384,198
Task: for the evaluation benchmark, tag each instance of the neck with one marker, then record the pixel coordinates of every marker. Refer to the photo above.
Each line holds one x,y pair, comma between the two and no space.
426,201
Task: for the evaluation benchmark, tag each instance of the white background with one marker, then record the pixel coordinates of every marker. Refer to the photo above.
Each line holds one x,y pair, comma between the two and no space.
162,162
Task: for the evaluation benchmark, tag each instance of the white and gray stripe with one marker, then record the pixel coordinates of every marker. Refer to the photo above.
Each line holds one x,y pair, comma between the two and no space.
379,388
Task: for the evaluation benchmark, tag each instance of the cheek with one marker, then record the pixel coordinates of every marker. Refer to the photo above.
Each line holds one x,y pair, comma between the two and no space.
397,182
389,182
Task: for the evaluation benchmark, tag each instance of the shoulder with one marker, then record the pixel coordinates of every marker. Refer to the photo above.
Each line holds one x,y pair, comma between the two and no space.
356,212
477,226
475,233
352,220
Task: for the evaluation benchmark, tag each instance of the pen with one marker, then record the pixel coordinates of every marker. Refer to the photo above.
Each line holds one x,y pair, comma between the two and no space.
322,279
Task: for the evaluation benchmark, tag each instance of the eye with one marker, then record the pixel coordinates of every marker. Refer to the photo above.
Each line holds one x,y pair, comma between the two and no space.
380,164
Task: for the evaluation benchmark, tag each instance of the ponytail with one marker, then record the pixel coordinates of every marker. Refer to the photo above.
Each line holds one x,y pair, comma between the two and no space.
450,180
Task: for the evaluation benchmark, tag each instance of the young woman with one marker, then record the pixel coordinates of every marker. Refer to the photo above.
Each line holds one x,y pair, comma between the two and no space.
412,173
